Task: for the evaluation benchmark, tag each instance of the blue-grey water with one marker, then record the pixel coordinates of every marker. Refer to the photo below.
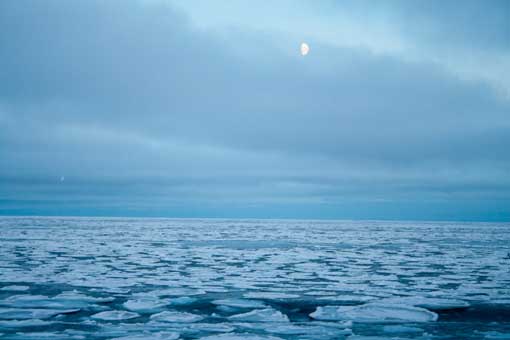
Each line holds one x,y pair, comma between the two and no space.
102,278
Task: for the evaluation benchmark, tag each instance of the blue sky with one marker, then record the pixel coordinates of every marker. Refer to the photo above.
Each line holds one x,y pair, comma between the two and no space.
401,110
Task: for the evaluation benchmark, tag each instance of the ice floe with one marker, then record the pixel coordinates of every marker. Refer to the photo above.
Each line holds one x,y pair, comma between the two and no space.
151,336
15,288
180,317
430,303
182,301
212,327
25,323
115,315
240,337
240,303
24,314
145,306
270,296
261,315
62,301
375,313
178,291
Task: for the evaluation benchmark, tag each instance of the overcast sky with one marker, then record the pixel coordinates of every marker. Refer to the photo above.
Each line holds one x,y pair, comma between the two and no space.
401,110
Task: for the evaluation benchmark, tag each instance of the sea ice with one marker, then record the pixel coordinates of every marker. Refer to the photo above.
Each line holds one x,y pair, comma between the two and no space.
24,323
240,337
288,267
62,301
25,314
261,315
149,336
347,298
145,306
240,303
115,315
270,296
430,303
374,313
178,317
212,327
182,301
178,291
77,297
15,288
287,328
41,335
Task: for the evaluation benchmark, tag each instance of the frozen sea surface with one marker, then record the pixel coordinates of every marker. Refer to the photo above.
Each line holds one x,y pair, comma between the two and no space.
93,278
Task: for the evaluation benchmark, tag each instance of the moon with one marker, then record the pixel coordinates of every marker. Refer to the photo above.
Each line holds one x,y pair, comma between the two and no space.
304,49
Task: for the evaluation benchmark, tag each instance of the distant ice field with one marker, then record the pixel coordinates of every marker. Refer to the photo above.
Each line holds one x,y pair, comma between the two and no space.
211,279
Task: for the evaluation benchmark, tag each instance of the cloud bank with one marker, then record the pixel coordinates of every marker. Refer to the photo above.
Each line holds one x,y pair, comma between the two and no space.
144,112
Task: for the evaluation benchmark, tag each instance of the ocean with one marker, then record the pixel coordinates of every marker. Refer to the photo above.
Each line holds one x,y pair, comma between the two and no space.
220,279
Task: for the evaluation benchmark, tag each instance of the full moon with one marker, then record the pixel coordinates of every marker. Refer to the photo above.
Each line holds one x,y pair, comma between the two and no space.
305,49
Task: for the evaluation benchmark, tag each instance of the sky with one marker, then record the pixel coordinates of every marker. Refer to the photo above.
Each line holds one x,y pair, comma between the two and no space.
197,108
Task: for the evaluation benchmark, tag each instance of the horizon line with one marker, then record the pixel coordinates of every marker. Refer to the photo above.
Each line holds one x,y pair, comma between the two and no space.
258,218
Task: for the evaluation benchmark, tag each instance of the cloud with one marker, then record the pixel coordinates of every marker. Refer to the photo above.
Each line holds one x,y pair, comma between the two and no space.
469,24
138,108
469,38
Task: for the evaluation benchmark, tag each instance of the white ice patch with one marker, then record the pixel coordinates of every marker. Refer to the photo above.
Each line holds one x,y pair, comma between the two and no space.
15,288
261,315
270,296
70,300
77,297
179,317
153,336
311,330
240,337
25,314
115,315
212,327
182,301
347,298
430,303
375,313
145,306
240,303
25,323
178,291
28,301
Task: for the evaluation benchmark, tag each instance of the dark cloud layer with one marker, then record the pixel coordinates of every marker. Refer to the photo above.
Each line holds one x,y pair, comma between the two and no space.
144,114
